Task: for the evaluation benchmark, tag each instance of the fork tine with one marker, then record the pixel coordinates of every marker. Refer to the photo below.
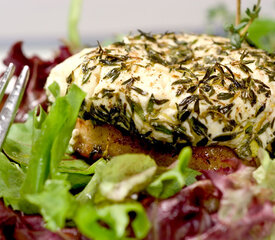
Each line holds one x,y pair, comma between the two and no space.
12,103
5,80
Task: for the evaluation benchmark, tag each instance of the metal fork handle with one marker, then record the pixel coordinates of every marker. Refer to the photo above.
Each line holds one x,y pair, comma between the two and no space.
12,103
5,80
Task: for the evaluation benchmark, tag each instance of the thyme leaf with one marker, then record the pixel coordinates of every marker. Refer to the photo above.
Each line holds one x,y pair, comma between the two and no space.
113,74
188,100
161,128
225,137
198,127
225,95
152,101
260,110
148,36
138,90
263,129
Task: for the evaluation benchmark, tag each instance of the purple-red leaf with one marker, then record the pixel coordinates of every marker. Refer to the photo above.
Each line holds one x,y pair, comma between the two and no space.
39,71
16,225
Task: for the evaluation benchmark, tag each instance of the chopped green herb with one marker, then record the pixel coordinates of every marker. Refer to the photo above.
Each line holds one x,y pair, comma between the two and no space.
113,74
225,96
225,137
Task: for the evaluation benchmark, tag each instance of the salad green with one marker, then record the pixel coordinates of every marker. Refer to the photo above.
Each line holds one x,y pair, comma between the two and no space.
172,181
52,141
12,177
45,176
265,173
55,203
116,217
38,175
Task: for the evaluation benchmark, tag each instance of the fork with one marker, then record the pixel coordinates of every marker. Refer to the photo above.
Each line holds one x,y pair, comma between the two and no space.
12,103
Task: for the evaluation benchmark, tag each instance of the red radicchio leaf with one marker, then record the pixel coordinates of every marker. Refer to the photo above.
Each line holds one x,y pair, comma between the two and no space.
186,214
193,213
255,225
39,71
16,225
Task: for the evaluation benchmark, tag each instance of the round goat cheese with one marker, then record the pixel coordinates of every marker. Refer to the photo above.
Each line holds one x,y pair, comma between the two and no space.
178,89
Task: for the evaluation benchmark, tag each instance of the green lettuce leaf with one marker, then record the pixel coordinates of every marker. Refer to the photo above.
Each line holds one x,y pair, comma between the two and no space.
172,181
90,221
265,174
74,100
78,172
126,174
89,192
120,177
72,165
55,203
78,180
51,144
54,89
11,180
18,145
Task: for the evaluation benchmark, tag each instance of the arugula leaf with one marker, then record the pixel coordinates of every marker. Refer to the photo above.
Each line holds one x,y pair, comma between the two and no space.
11,180
53,139
172,181
120,177
55,203
91,221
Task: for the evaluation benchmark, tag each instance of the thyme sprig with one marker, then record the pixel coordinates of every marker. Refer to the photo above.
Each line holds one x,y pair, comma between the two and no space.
238,33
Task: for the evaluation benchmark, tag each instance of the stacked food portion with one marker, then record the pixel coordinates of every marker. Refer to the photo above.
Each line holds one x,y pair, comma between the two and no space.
164,136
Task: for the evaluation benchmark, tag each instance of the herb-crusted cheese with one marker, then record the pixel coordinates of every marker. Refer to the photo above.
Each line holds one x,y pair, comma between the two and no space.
179,89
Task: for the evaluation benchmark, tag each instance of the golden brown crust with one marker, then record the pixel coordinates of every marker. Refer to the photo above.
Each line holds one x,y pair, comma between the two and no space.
105,140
